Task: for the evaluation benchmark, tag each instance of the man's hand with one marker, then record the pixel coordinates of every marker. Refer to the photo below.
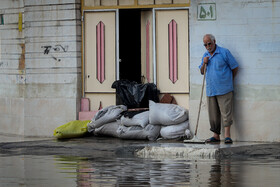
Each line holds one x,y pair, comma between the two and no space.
205,62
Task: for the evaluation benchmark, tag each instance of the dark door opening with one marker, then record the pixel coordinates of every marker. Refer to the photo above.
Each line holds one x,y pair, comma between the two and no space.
130,44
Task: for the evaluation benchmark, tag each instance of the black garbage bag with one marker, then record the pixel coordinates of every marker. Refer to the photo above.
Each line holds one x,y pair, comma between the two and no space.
135,95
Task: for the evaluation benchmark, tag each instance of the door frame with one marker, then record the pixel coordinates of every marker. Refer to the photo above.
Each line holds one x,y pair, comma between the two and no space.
117,41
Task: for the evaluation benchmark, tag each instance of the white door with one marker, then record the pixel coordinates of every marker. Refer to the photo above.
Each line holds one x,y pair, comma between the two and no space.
100,57
172,60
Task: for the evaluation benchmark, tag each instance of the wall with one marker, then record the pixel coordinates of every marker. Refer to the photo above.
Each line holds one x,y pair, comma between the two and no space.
11,87
250,30
40,66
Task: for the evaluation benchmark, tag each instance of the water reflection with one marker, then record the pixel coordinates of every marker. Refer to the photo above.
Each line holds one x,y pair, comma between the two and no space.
130,172
221,175
79,171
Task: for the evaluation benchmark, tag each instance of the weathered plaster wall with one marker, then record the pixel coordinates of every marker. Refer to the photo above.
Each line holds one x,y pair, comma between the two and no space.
250,30
12,86
40,67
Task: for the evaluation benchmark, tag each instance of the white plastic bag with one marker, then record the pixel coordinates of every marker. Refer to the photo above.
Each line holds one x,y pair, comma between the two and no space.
108,129
174,131
106,115
150,132
141,119
166,114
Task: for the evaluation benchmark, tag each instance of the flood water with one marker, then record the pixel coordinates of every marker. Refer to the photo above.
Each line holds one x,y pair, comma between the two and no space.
31,170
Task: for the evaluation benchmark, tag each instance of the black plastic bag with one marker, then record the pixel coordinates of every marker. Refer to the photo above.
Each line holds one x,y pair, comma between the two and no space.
134,95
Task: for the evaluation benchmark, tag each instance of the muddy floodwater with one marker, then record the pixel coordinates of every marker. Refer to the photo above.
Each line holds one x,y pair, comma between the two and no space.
54,170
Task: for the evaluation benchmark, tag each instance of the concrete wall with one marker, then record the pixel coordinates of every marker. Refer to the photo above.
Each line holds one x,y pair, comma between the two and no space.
11,86
40,66
250,30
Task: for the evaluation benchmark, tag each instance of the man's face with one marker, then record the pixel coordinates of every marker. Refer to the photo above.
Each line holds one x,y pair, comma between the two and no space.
209,44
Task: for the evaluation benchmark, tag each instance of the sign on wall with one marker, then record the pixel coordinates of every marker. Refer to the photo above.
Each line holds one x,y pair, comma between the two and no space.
206,11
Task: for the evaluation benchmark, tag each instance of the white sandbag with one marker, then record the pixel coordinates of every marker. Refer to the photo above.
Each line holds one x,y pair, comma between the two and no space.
106,115
174,131
166,114
141,119
150,132
108,129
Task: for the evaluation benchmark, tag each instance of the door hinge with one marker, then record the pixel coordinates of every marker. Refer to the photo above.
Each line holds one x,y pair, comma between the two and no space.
82,18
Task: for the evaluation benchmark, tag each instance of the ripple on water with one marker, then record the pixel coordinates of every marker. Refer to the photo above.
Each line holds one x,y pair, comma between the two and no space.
78,171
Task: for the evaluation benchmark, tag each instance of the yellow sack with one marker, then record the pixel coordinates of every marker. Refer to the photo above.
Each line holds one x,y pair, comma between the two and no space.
72,129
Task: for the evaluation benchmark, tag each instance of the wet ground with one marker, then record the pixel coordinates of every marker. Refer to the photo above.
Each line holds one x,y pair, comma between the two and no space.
104,161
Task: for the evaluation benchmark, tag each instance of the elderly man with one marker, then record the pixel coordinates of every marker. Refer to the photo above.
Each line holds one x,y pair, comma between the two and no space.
221,68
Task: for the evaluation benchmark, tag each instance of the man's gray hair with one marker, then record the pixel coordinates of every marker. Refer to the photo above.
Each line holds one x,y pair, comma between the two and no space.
211,36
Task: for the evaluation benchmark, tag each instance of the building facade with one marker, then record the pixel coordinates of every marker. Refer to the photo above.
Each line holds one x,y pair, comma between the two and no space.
53,53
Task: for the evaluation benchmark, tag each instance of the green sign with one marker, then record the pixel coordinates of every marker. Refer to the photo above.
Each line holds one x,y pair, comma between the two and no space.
206,11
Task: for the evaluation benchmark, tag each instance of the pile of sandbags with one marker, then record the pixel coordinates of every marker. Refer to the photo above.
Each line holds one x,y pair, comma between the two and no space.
173,119
168,121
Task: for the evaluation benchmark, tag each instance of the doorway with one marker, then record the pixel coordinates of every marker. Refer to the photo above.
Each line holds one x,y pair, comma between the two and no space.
130,44
141,45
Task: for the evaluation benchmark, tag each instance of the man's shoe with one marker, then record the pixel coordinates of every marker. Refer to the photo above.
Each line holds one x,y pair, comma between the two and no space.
228,140
212,140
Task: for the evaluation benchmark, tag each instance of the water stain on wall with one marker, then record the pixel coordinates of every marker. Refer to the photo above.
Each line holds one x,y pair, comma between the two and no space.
21,65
